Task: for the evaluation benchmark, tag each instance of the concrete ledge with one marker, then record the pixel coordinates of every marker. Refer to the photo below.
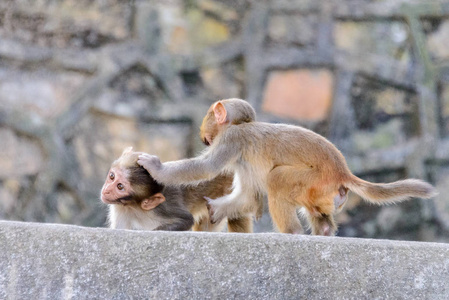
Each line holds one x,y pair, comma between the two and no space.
42,261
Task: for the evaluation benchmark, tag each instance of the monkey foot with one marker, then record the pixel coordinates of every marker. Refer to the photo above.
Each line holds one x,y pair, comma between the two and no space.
212,213
325,230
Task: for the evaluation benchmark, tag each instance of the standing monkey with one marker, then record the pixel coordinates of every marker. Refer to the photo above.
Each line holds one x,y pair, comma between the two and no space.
294,166
138,202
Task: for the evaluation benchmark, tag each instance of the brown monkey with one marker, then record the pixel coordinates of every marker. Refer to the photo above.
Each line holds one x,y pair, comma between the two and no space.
139,202
294,166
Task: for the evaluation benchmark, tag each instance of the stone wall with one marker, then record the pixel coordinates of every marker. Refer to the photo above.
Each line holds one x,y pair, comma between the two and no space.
82,80
47,261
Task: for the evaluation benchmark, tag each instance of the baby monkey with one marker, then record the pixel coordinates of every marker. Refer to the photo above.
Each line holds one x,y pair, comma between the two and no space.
138,202
294,166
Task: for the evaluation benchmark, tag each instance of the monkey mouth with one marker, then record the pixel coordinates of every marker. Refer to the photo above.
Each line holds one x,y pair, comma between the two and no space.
107,201
123,200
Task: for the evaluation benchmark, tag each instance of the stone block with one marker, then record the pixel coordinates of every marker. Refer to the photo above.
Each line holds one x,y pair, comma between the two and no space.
294,29
205,31
9,192
172,28
228,11
191,31
437,42
67,23
68,262
302,94
444,99
363,37
385,116
441,202
138,80
224,81
382,136
19,155
41,93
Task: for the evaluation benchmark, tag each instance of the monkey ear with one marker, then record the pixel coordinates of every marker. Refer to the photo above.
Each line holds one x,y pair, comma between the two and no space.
127,150
220,113
152,202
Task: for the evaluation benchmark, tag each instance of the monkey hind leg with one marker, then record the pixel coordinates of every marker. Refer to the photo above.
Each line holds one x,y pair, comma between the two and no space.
204,224
243,225
228,207
322,225
320,214
284,216
283,187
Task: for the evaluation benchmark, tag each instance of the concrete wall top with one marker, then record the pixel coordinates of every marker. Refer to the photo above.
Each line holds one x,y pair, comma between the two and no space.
46,261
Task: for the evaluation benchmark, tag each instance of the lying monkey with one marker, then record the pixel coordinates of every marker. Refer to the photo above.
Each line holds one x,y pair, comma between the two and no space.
296,167
137,201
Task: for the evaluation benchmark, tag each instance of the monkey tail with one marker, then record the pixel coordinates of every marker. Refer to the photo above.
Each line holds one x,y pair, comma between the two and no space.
384,193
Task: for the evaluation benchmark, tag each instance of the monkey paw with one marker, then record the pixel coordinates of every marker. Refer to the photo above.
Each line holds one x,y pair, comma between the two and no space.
151,163
213,215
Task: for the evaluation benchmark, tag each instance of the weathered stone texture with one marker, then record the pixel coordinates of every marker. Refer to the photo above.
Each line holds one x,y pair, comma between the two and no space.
292,29
68,262
43,93
82,80
19,155
362,37
445,109
435,42
385,116
67,23
299,94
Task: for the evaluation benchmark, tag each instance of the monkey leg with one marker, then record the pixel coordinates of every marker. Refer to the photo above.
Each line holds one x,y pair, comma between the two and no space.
282,192
306,187
284,215
243,224
243,200
204,224
320,214
232,206
298,185
322,225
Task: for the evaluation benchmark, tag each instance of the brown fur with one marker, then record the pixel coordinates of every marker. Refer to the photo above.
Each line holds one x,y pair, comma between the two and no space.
294,166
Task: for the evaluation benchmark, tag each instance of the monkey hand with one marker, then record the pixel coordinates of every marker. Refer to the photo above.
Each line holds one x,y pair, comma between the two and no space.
213,213
151,163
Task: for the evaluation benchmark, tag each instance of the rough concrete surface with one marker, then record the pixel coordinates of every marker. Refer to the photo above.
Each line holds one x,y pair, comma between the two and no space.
44,261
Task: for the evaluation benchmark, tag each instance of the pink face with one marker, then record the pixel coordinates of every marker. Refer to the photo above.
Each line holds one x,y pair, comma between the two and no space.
115,187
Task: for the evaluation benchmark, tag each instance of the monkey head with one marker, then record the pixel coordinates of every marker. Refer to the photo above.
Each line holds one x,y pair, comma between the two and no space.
127,183
222,114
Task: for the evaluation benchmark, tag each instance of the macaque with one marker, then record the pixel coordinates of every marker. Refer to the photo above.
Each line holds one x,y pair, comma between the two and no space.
294,166
137,201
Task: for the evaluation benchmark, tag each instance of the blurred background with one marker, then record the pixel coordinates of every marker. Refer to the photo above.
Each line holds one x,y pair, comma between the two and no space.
80,80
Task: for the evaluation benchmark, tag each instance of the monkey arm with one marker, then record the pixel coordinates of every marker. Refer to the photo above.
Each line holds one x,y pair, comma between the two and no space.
194,170
189,171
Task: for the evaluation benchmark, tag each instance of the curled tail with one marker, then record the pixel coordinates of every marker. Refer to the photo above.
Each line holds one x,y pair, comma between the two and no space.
383,193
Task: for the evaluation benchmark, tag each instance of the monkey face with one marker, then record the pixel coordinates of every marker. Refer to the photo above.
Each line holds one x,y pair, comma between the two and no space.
116,187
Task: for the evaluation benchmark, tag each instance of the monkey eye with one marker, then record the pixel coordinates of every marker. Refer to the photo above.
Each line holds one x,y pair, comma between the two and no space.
120,186
111,176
